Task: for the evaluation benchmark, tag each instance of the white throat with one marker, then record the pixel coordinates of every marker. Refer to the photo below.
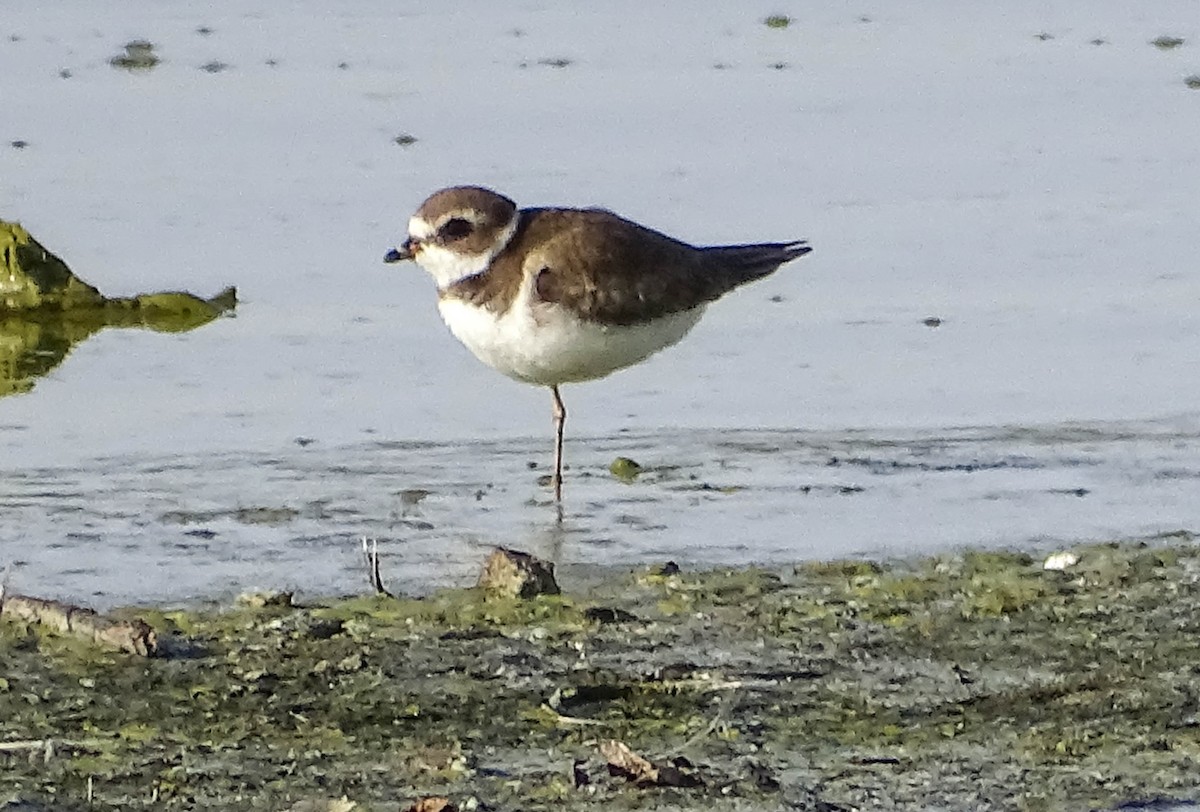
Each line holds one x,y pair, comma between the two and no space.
448,266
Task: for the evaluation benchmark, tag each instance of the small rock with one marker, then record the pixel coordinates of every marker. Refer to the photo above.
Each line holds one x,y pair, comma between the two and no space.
1060,561
579,773
515,574
608,614
260,600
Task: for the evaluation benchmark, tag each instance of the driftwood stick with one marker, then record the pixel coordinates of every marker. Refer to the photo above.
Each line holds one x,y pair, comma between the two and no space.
134,636
50,745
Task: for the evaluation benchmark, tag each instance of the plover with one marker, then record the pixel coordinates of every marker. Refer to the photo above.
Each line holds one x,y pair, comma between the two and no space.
552,296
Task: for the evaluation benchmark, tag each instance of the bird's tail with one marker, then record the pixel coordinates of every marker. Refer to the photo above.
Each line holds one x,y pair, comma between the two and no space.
745,263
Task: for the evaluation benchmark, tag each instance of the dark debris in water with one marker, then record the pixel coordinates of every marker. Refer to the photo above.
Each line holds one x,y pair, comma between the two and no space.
1167,42
889,466
139,56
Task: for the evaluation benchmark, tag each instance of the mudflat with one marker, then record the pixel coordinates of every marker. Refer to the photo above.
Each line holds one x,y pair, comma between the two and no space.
976,680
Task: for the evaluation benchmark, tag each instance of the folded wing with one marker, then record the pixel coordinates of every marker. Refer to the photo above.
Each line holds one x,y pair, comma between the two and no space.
609,269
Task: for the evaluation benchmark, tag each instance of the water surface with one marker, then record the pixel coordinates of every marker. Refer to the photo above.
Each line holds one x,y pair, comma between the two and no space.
136,528
1018,179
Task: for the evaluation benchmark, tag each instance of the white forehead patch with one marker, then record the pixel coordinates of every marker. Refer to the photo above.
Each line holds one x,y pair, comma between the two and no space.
419,229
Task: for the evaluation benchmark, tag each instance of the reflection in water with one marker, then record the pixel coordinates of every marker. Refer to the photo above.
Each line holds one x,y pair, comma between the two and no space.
45,310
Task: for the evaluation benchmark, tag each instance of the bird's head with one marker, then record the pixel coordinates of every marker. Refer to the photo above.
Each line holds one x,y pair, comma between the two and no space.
457,232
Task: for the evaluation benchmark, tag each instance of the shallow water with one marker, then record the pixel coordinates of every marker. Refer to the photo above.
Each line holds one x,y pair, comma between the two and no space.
135,528
1019,176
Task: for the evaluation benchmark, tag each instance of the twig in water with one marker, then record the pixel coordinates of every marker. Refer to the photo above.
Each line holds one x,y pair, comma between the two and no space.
371,554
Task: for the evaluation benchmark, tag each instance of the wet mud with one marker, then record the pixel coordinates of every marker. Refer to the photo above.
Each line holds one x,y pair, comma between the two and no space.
978,680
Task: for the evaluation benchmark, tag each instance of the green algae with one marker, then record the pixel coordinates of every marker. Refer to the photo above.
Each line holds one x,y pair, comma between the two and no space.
138,56
45,310
32,278
972,680
625,469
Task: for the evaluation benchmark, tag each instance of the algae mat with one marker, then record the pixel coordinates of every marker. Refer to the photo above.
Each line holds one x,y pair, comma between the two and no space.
46,310
971,681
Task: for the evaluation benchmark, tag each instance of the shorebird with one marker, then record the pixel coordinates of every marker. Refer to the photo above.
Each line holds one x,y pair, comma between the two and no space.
551,296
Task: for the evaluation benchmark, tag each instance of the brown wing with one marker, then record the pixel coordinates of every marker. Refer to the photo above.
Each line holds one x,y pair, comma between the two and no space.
609,269
590,260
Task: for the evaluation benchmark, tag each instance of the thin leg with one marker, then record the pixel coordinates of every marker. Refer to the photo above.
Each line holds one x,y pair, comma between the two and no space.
560,419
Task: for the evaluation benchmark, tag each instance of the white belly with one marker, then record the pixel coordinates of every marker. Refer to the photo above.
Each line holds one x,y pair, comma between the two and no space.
547,345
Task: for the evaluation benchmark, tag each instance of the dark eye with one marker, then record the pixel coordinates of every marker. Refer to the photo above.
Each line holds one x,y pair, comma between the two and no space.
455,229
